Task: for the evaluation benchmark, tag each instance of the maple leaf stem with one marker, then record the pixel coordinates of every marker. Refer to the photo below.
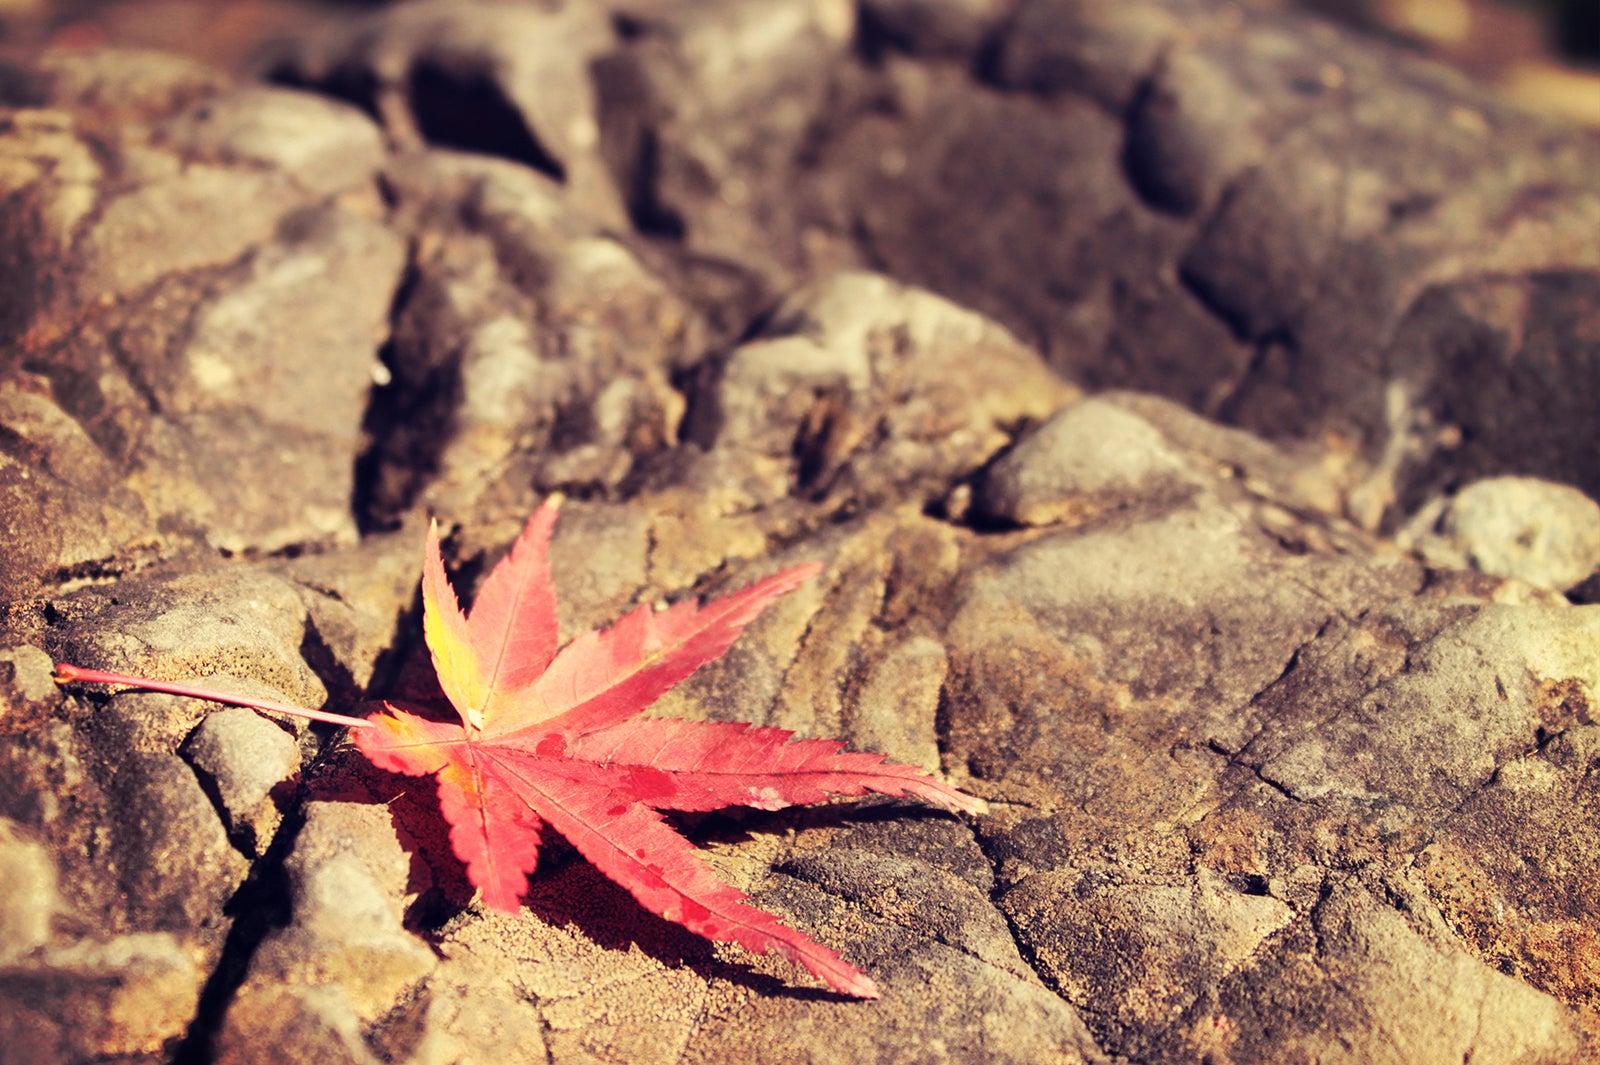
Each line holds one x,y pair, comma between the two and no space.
70,674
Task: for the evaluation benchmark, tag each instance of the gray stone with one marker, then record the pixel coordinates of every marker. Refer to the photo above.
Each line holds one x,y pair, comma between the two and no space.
1191,608
673,103
63,512
1534,417
182,241
603,557
311,1024
1445,1008
897,709
1195,127
470,1011
47,788
357,602
50,178
325,146
1508,877
532,350
268,359
253,767
1091,457
172,854
1301,481
1104,51
519,71
178,217
1067,258
1545,534
238,621
871,601
940,904
1170,941
993,1017
27,676
347,876
859,382
1185,181
118,85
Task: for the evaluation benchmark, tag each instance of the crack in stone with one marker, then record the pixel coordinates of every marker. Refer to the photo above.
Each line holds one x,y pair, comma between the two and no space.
937,937
1025,950
260,905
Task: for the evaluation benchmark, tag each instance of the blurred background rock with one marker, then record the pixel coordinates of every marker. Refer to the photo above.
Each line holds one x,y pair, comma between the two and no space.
1544,53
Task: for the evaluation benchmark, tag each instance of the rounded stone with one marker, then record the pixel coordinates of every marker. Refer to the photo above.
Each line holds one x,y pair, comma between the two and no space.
252,766
1079,463
1536,531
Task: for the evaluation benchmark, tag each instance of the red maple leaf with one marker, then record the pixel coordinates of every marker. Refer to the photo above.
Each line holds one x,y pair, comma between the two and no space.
548,737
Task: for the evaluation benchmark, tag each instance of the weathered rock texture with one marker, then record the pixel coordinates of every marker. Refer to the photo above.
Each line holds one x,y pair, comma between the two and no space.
1095,349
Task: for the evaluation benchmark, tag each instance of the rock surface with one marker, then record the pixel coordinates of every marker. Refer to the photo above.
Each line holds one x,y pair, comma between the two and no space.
1545,534
1096,350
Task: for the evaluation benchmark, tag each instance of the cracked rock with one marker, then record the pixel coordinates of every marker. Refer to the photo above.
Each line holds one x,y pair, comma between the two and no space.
1103,51
238,621
112,85
1511,879
175,862
897,708
265,360
933,27
356,603
168,306
304,1023
1159,944
947,908
1447,1007
672,103
62,511
344,959
346,876
530,349
1355,738
27,680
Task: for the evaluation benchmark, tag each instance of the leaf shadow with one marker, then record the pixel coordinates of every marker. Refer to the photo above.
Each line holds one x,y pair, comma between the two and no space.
566,891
